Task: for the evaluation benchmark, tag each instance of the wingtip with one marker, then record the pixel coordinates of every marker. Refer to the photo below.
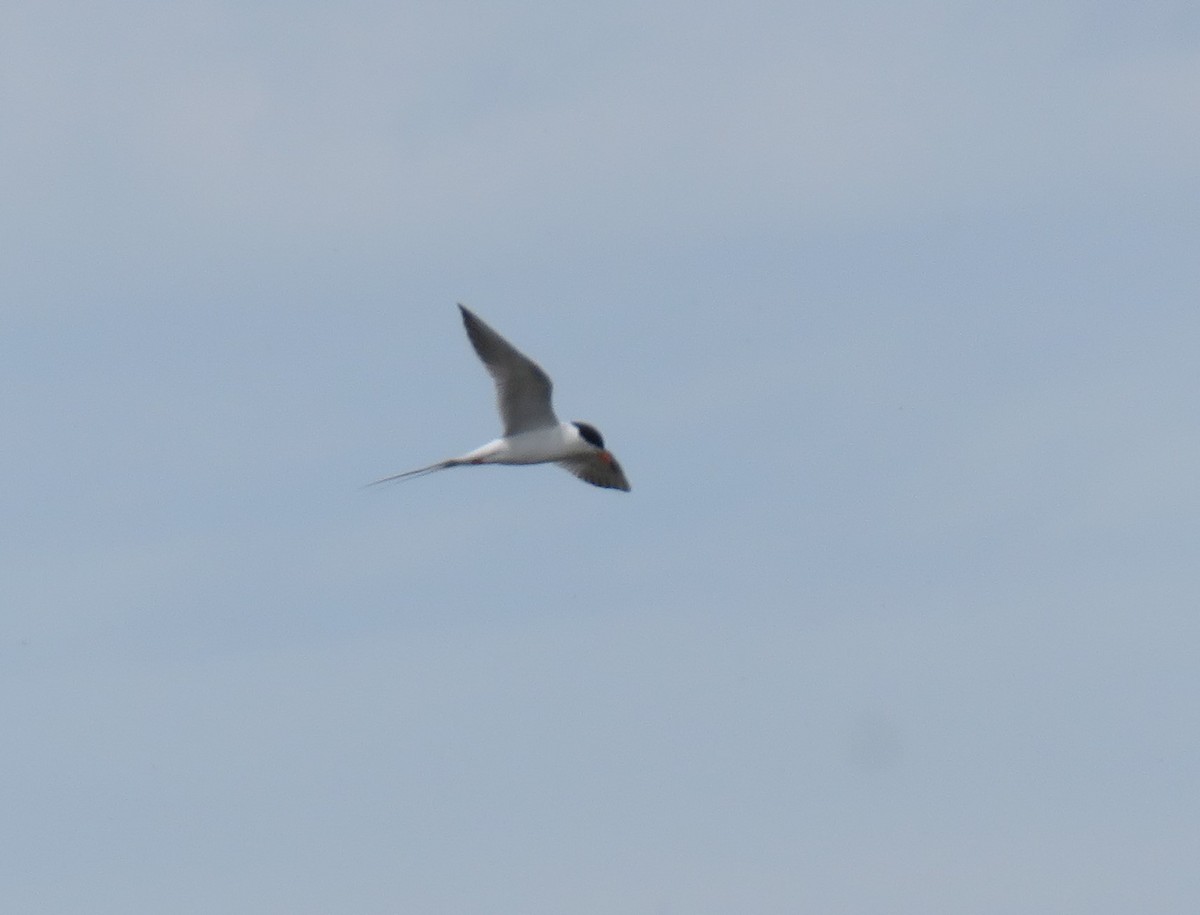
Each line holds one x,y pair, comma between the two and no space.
469,318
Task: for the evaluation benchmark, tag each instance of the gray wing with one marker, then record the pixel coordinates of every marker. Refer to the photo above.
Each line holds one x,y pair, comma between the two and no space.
522,388
596,470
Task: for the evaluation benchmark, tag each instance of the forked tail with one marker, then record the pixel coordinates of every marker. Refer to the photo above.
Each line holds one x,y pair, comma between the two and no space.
419,472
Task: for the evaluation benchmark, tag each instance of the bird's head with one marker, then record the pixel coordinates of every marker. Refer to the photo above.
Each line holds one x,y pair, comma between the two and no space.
592,436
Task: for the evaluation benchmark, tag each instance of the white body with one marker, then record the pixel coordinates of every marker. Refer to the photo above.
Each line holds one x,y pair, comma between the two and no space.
537,446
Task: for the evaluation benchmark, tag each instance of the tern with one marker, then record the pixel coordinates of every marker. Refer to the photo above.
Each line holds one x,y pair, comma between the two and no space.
532,433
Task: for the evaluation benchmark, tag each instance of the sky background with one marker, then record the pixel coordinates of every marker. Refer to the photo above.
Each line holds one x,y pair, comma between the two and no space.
890,313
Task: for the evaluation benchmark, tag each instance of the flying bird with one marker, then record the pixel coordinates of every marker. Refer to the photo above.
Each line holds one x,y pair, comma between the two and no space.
532,433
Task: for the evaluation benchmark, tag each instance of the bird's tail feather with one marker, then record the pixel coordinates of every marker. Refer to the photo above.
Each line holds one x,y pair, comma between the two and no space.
419,472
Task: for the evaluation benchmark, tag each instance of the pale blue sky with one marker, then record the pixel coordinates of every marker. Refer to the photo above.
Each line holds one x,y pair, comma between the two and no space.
890,312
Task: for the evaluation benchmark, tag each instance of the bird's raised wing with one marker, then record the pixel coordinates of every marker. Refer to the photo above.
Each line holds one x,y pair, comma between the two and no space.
522,388
599,469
